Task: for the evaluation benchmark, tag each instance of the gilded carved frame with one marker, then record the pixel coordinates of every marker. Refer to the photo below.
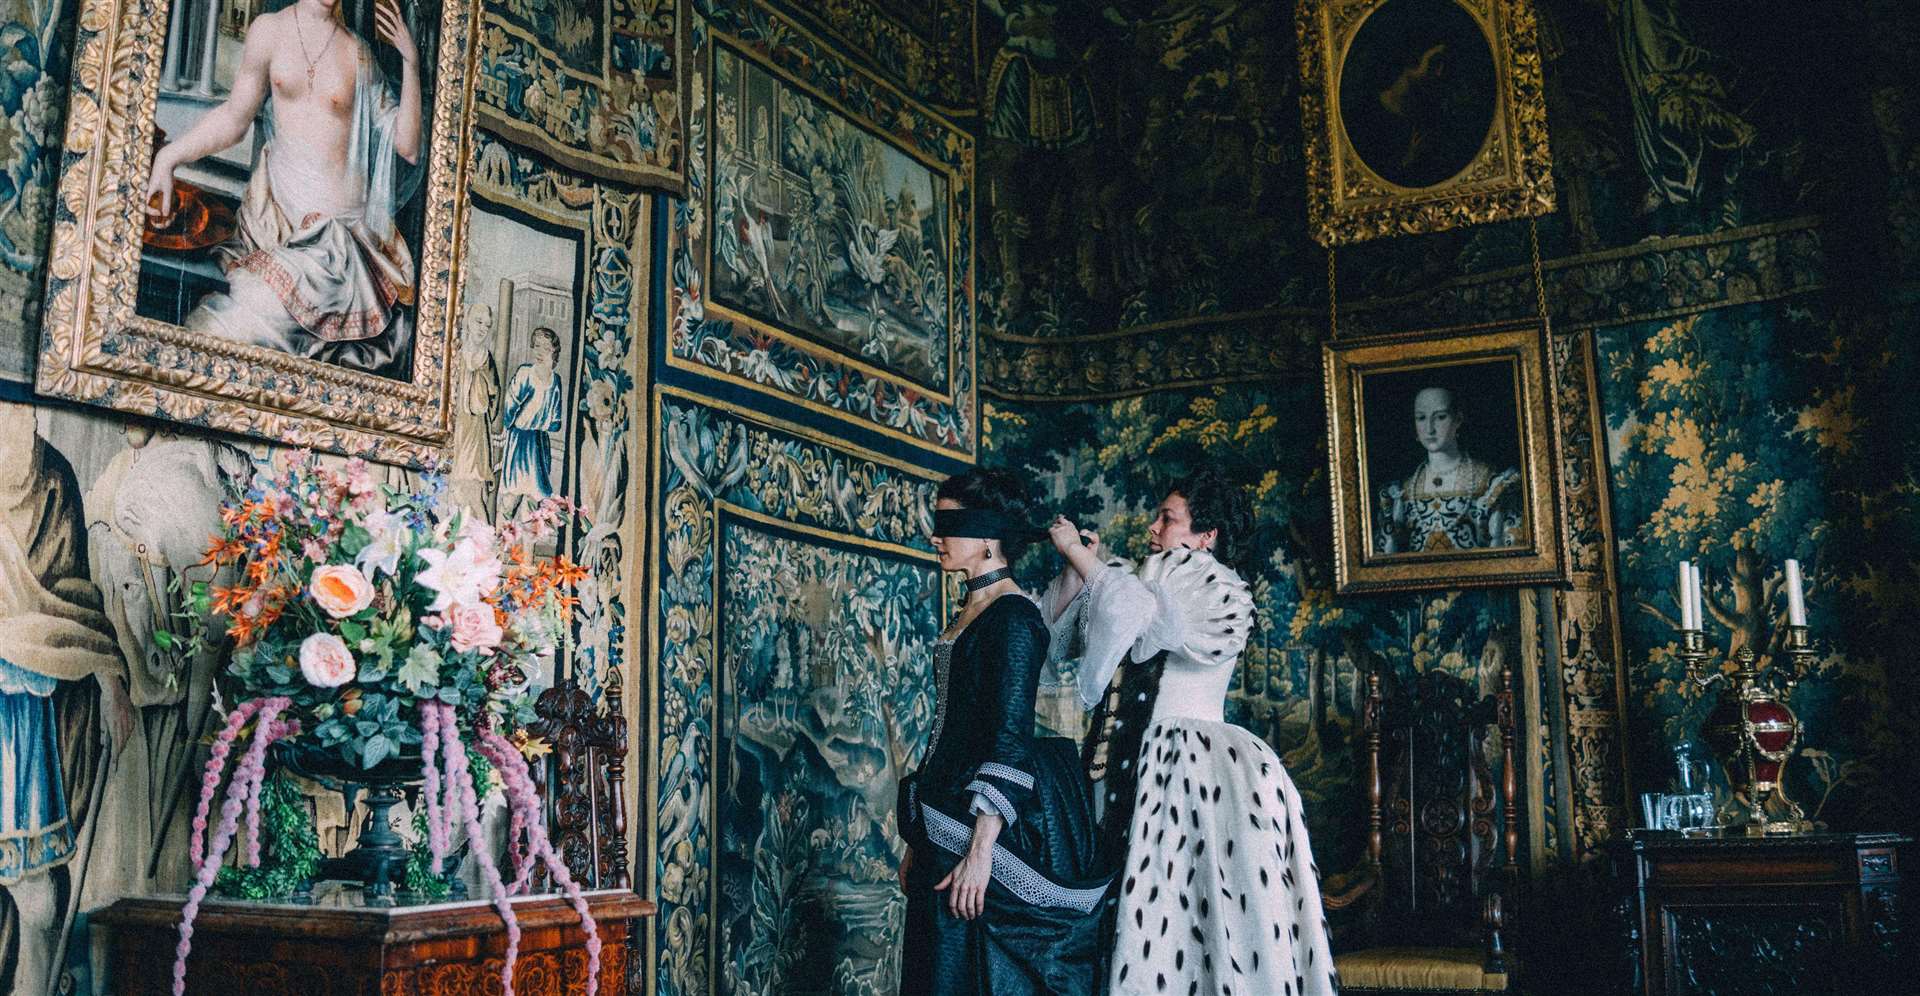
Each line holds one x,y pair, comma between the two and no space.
1539,555
96,349
1510,177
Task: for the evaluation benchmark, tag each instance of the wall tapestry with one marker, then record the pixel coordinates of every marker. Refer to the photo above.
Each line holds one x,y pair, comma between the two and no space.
598,87
35,43
1653,279
220,268
1740,463
927,47
543,391
824,254
1473,498
795,602
1421,115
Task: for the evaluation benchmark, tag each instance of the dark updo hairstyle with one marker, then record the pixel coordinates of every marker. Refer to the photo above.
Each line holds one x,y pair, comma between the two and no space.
1215,502
999,491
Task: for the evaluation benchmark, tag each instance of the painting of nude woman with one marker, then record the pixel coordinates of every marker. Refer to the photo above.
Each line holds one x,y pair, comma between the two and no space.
289,210
315,265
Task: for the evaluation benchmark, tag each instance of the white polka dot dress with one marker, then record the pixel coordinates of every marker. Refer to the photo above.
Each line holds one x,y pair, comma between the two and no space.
1219,894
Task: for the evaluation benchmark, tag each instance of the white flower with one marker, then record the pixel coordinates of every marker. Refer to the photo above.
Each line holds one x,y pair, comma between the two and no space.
478,531
389,532
325,661
462,577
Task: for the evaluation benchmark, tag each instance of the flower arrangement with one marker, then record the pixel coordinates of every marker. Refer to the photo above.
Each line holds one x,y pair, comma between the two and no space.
368,624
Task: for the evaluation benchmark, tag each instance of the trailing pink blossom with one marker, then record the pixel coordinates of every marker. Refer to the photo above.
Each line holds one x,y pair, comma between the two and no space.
457,772
243,785
266,729
438,842
524,800
216,766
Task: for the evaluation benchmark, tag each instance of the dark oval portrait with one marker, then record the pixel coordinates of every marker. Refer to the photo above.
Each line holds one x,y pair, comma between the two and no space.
1418,91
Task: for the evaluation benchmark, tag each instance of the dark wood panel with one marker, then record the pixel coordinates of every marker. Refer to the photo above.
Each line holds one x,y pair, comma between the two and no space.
444,950
1807,914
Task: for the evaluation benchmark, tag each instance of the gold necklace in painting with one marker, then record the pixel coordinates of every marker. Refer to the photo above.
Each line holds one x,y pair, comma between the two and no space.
313,63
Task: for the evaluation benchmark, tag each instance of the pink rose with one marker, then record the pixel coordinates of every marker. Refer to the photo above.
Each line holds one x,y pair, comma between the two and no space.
474,627
325,661
340,589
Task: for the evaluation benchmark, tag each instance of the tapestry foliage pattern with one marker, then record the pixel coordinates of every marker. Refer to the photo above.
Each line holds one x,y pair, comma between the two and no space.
1739,465
599,87
795,606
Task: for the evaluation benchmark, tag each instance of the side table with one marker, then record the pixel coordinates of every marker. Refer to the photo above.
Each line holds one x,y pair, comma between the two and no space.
1808,913
335,947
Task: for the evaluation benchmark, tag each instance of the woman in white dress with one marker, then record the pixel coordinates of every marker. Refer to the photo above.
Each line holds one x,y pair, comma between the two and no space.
1218,892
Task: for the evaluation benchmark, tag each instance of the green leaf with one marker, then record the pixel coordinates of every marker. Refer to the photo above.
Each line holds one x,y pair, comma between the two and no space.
422,669
352,632
376,749
354,539
163,639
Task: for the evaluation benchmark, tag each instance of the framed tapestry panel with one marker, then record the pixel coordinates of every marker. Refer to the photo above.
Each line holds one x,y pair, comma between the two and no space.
278,268
598,87
545,404
1473,498
795,601
1421,115
824,254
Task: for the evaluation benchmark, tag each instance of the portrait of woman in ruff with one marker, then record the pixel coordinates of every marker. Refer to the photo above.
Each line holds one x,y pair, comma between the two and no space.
1443,460
1453,500
277,211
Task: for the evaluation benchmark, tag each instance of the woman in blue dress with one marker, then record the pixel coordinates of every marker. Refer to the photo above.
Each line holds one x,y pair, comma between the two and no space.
1003,878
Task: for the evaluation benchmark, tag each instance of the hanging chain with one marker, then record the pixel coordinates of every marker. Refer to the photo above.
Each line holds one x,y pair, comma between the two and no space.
1539,279
1333,300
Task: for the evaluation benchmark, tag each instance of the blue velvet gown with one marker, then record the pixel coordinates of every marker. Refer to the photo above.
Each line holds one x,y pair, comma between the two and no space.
1039,933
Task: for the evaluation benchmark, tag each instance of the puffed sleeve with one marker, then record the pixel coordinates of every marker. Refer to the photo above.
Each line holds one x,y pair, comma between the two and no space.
1203,609
1115,609
1004,779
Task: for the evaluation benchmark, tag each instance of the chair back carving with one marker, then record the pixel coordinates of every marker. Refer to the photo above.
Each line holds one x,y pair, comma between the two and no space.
1442,832
584,778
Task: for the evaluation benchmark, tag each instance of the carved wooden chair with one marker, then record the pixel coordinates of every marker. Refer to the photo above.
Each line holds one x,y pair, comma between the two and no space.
584,783
1427,913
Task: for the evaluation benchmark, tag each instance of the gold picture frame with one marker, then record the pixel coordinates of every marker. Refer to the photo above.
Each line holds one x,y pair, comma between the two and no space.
1421,116
356,386
1444,460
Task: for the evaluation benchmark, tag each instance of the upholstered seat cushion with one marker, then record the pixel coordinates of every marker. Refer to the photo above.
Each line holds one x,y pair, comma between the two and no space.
1446,969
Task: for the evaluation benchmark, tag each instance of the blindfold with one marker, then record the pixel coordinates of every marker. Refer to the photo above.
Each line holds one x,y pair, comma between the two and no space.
975,523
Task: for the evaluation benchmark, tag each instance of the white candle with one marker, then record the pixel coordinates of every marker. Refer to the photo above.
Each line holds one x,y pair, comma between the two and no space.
1693,589
1796,599
1686,596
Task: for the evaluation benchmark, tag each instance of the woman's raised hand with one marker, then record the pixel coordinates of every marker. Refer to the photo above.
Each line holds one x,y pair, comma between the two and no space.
1065,535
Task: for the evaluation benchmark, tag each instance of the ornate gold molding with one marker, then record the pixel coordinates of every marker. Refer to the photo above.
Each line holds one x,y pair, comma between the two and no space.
1510,177
95,349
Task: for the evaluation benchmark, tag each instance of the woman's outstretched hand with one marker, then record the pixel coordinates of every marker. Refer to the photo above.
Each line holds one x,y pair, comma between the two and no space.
966,885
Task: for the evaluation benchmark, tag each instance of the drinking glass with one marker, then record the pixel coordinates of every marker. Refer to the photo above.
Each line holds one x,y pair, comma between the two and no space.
1652,808
1686,812
1690,767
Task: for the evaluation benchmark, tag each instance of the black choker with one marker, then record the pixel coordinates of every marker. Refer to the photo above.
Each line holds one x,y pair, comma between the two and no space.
989,579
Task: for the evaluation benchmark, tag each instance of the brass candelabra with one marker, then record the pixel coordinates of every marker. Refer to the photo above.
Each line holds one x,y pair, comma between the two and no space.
1751,729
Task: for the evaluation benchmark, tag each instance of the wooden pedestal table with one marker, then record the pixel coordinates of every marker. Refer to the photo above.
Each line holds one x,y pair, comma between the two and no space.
337,947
